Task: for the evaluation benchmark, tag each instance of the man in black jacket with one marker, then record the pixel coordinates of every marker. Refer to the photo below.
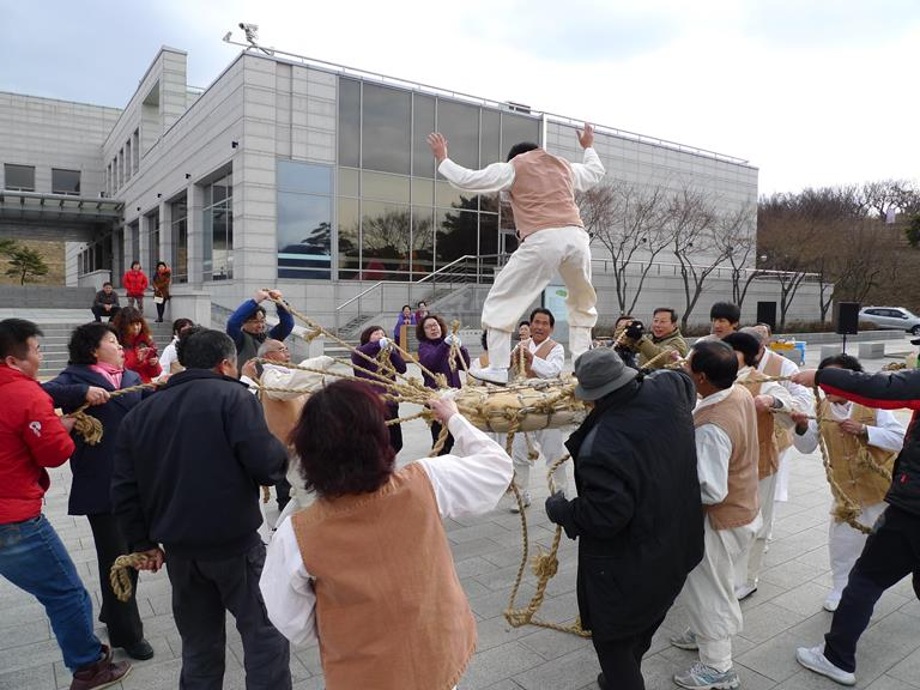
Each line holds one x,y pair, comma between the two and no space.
893,548
189,461
638,514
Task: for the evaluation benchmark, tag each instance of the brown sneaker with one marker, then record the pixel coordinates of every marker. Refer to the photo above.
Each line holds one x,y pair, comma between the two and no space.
100,674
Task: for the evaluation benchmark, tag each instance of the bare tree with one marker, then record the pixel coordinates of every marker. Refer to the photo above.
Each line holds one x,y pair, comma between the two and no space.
695,243
736,231
630,221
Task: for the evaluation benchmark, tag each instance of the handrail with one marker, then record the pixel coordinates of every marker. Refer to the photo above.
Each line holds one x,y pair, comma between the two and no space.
360,295
446,266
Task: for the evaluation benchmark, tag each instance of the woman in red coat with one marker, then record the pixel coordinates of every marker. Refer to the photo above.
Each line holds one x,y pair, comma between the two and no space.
140,350
135,283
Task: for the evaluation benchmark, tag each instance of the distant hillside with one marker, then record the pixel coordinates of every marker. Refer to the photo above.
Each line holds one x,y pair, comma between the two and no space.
53,254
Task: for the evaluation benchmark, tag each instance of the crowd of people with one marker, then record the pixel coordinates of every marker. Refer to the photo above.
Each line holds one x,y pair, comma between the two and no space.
676,468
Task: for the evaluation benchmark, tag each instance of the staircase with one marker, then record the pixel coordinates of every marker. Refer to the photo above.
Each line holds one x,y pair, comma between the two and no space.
58,324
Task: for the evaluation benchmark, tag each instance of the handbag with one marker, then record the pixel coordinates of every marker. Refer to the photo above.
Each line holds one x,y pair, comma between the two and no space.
158,300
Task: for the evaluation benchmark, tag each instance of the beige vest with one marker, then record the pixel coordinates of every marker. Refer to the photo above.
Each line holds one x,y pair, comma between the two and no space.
848,457
767,445
737,417
390,611
543,193
774,367
282,416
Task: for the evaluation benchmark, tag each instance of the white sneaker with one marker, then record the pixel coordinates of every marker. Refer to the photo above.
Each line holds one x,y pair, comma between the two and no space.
813,659
744,591
492,375
832,602
702,677
525,499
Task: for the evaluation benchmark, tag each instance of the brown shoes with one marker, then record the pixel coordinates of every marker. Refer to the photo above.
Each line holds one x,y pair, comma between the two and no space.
100,674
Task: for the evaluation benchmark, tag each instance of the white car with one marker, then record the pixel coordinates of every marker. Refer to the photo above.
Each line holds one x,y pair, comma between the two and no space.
891,317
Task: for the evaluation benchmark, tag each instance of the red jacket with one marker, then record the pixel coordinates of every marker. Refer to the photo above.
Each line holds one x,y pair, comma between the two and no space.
135,283
143,367
31,439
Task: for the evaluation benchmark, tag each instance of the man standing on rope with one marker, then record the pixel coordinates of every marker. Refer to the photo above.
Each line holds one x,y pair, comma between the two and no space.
542,190
249,329
854,436
726,448
195,490
32,556
543,358
892,550
637,515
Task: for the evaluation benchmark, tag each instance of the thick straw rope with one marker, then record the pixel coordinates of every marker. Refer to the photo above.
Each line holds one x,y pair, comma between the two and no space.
89,427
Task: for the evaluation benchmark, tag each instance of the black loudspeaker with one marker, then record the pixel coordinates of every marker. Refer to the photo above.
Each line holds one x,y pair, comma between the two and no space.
846,318
766,313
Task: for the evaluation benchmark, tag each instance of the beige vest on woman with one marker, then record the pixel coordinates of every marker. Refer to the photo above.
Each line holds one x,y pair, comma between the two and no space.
736,416
390,611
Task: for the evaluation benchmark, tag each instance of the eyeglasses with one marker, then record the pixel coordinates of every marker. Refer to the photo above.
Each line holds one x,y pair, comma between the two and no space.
283,348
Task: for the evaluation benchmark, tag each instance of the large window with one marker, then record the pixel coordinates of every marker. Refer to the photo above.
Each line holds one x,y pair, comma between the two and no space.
217,228
20,178
65,181
153,239
179,215
395,219
304,220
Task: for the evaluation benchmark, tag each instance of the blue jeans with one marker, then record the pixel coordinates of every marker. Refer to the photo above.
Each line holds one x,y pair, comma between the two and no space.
33,558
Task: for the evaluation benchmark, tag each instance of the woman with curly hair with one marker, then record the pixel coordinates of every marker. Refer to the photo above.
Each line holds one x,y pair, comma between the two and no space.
140,350
94,371
367,569
434,347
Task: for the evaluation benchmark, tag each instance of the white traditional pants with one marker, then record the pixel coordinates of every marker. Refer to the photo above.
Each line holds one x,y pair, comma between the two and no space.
747,567
709,593
845,544
782,478
549,443
530,269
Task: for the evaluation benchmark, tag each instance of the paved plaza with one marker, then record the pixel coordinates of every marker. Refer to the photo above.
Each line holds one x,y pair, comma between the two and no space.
784,613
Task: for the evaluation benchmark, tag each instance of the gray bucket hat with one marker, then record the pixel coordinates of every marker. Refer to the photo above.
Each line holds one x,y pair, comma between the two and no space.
600,372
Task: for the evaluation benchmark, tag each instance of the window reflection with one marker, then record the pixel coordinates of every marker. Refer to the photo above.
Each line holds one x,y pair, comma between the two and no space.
349,123
304,226
348,227
459,122
516,129
420,261
385,129
490,146
423,124
348,181
386,238
385,187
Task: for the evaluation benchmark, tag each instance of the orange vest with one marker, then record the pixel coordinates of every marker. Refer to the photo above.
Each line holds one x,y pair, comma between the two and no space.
737,417
848,457
390,611
543,193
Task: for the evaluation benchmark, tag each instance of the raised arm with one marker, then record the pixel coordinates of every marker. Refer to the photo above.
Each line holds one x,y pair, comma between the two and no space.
492,178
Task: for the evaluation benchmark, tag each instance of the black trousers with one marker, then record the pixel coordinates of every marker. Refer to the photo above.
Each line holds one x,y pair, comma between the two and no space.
121,618
202,593
621,659
435,432
99,312
396,439
283,493
891,552
161,307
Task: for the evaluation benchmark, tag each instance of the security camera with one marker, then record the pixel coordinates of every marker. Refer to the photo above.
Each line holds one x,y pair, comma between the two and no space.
249,27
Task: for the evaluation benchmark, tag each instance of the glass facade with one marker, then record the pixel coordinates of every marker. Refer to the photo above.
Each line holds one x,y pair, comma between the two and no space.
394,219
179,262
304,220
217,228
153,239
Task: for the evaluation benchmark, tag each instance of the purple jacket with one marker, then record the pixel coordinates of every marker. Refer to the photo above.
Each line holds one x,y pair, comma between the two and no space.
434,356
362,367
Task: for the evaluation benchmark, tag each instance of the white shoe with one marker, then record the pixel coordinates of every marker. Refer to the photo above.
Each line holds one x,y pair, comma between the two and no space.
492,375
832,602
744,591
813,659
525,499
702,677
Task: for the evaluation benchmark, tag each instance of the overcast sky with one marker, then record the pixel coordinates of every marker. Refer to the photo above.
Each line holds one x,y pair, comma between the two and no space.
811,92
